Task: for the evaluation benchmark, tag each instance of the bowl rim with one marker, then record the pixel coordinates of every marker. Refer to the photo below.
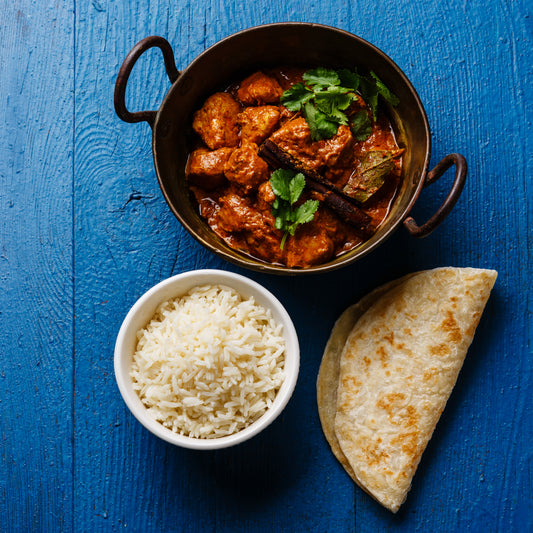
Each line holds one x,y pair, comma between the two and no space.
241,259
179,285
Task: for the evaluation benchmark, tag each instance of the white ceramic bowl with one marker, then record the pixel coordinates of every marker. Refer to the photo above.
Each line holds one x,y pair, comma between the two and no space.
143,310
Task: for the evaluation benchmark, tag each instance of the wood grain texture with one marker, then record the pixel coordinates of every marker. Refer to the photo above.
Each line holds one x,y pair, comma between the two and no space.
85,231
36,313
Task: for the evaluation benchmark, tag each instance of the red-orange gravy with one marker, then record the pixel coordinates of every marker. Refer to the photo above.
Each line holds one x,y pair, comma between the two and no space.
229,180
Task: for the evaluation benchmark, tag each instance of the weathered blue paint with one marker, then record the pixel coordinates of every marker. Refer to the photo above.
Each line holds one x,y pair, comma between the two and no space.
84,231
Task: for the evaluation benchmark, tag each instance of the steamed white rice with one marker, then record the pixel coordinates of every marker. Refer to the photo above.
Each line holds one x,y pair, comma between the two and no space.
209,363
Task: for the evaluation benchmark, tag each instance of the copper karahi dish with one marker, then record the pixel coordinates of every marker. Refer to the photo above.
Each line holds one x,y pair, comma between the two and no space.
267,50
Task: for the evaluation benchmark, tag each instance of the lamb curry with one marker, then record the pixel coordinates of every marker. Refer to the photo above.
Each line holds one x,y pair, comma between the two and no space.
343,154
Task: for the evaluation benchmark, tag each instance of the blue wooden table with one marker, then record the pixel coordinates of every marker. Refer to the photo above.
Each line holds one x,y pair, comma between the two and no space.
84,231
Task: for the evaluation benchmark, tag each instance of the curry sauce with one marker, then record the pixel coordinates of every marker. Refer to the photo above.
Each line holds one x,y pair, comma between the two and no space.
230,180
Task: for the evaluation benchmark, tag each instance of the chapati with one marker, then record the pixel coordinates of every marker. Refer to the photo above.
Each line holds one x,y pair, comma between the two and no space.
382,392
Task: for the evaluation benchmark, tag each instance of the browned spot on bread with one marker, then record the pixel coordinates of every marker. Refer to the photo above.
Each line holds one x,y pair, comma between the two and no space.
441,350
407,331
412,417
383,355
373,455
366,361
392,404
350,381
449,324
429,374
390,338
472,329
347,405
408,442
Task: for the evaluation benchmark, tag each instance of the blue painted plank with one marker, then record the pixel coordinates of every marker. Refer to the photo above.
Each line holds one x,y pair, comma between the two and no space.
36,312
125,241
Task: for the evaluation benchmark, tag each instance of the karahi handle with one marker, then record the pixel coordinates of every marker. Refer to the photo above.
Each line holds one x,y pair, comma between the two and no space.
443,211
125,71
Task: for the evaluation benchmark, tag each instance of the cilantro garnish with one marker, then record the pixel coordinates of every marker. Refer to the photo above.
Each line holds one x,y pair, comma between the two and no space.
297,96
319,123
321,78
361,125
288,187
327,94
384,91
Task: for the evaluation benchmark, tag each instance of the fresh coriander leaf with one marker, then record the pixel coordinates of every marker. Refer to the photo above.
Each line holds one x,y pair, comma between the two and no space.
283,216
340,96
310,115
321,77
332,114
369,92
361,125
332,104
279,181
349,79
385,92
306,212
296,186
286,218
331,94
295,97
319,124
326,128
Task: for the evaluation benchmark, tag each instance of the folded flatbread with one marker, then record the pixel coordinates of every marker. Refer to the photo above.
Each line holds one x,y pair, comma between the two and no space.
388,369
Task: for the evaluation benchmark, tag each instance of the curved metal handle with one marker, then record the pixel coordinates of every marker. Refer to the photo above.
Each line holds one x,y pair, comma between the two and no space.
443,211
125,71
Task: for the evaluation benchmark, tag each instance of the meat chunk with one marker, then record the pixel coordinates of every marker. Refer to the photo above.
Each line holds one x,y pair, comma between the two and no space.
237,214
248,227
309,248
259,89
205,168
257,123
314,243
294,137
265,194
338,147
245,168
216,121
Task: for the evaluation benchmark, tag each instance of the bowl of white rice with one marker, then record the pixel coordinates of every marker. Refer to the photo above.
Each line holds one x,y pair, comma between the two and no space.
207,359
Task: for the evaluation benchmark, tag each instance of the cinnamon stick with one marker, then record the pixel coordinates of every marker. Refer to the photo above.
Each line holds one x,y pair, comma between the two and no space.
333,197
